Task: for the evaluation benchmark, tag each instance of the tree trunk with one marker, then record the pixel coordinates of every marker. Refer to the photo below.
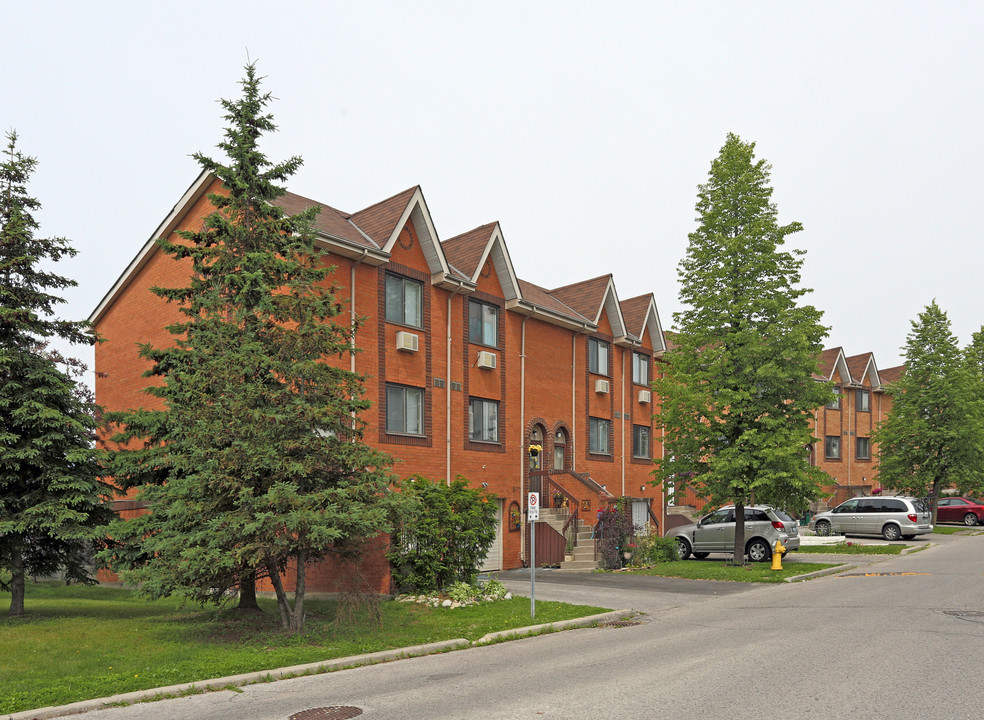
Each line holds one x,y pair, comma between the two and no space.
297,617
247,592
283,604
17,581
739,558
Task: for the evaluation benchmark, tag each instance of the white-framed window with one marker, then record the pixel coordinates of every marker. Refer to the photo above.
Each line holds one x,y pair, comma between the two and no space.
483,323
404,410
599,430
560,450
835,404
864,448
597,356
864,401
640,442
832,447
640,369
483,420
404,300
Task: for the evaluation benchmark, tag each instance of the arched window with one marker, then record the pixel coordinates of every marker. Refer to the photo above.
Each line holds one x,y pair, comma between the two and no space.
560,450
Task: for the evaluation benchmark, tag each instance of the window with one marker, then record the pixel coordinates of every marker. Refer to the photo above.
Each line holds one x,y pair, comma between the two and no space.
836,404
404,410
560,450
598,431
483,420
483,323
640,441
640,369
864,448
597,356
832,447
864,401
403,300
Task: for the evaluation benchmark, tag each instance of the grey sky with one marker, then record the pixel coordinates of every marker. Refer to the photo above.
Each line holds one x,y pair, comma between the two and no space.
584,128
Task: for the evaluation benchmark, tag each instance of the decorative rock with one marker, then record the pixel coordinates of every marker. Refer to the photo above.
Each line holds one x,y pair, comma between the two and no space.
507,596
447,603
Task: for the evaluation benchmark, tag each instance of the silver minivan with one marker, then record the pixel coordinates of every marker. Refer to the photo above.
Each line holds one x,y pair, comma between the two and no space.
892,517
716,533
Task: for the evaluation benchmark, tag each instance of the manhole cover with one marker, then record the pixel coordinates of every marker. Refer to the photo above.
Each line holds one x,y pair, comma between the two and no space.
334,712
881,574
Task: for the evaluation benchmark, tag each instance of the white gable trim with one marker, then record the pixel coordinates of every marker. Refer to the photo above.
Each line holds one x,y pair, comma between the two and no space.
191,196
840,364
417,211
496,248
610,306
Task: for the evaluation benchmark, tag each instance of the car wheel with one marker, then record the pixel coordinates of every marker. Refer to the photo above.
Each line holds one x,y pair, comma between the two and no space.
758,550
683,549
701,555
891,532
822,528
970,519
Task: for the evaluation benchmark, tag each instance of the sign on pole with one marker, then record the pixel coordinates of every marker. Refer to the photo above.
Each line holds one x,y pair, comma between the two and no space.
533,514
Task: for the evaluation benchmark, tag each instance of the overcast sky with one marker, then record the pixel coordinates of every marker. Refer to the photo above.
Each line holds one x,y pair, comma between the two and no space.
584,128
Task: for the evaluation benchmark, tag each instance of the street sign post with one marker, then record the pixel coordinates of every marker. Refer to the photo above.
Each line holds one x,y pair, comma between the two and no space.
533,513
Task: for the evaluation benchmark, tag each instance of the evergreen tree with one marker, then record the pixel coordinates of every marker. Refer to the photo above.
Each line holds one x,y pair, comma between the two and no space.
51,497
739,388
257,462
932,437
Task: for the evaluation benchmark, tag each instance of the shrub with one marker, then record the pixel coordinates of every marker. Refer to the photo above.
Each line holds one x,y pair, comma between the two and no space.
652,549
613,533
444,537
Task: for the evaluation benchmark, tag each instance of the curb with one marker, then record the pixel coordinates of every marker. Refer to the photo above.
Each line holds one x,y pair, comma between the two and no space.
314,668
820,573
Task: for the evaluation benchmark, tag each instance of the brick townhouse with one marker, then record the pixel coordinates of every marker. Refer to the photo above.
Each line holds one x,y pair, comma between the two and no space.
844,447
467,366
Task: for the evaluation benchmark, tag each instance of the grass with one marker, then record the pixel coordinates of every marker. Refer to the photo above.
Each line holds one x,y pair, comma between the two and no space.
852,548
77,643
950,530
723,570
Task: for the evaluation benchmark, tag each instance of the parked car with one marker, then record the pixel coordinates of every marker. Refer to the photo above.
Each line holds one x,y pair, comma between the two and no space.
960,510
715,532
892,517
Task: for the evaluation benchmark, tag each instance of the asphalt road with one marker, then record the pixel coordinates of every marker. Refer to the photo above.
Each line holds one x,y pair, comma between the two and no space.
898,637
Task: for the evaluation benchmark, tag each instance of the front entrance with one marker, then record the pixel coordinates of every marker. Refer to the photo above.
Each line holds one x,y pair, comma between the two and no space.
493,561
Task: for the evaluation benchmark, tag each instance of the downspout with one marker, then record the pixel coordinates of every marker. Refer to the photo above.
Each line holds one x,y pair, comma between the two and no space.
447,392
352,309
622,449
523,458
574,435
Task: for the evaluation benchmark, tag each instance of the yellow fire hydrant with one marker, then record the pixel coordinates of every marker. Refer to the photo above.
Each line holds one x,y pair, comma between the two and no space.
777,555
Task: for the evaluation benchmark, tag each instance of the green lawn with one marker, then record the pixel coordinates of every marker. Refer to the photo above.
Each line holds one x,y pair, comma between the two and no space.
950,529
852,548
723,570
78,643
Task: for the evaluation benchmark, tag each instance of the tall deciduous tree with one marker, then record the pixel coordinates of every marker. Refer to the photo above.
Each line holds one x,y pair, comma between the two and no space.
739,388
932,436
257,463
51,497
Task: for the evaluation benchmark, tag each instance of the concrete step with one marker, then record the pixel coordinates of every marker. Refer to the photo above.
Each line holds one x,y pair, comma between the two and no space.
579,565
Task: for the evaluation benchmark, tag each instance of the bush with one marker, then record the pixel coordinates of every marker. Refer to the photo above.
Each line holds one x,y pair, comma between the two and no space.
444,537
613,533
652,549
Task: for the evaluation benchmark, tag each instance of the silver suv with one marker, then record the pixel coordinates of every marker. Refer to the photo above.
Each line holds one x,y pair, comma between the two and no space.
716,533
892,517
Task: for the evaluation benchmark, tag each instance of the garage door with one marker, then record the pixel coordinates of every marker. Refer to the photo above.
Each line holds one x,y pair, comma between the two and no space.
493,561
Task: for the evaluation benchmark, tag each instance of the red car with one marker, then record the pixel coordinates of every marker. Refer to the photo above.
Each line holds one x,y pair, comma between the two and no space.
959,510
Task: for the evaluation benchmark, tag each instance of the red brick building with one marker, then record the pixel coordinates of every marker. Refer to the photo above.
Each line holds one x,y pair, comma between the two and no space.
466,364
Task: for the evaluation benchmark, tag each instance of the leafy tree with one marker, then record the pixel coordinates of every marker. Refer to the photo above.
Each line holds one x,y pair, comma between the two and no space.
445,535
51,498
739,388
257,463
932,436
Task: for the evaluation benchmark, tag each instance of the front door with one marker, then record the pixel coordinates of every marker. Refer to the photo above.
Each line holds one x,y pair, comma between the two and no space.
493,561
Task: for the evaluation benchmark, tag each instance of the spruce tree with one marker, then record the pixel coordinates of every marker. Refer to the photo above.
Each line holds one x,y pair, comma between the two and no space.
52,501
740,387
932,437
257,461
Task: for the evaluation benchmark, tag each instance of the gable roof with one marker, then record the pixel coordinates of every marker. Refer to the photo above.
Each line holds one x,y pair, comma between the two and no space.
469,252
641,316
890,375
862,366
593,297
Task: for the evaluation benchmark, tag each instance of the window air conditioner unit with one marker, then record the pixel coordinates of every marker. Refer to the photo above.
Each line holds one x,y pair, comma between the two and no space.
601,386
486,360
406,341
645,396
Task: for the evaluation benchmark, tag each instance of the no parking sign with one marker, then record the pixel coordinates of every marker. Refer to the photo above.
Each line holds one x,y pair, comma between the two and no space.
533,505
